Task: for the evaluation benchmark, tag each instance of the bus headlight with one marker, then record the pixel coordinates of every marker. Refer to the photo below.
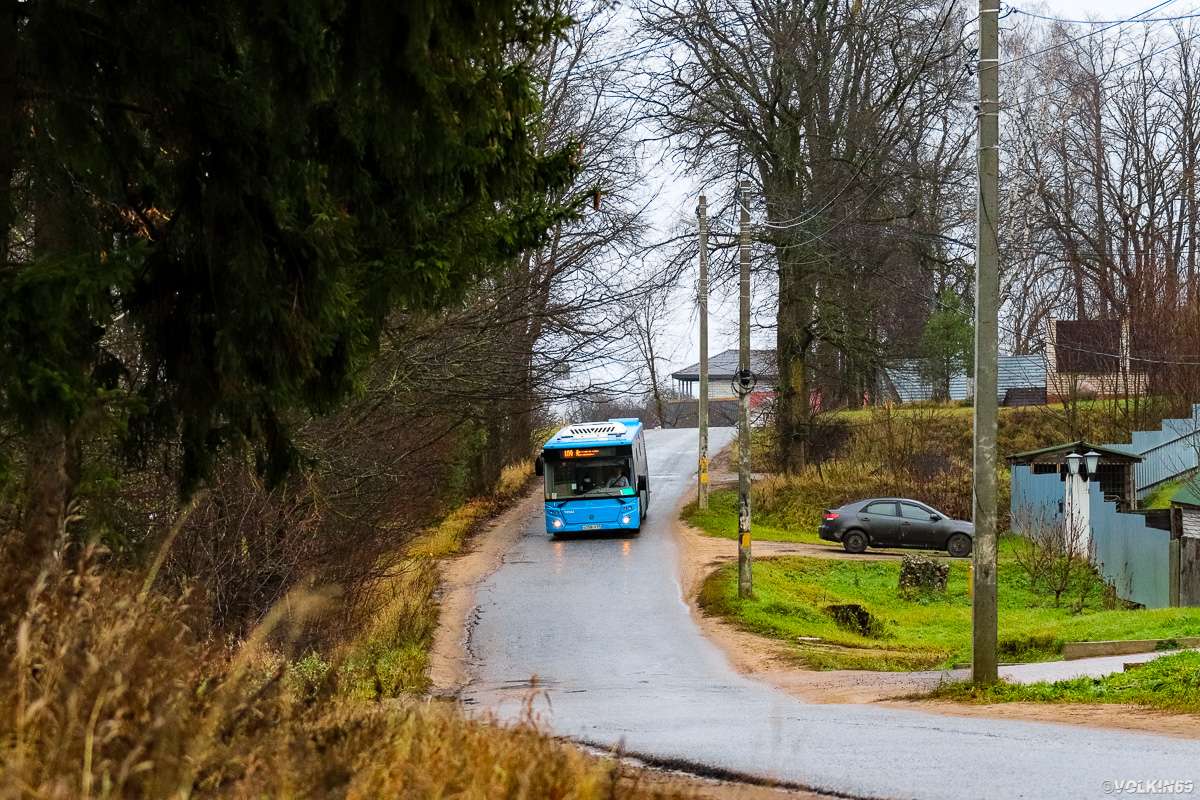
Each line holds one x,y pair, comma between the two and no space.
625,519
556,523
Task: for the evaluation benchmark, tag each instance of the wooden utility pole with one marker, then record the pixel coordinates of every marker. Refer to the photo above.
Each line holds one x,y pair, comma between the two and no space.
702,213
745,577
984,626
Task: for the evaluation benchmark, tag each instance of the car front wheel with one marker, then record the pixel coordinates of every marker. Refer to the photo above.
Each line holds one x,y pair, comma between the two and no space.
959,546
854,542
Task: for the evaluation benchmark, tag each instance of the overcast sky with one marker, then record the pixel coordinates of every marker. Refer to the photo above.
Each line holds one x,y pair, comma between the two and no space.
677,199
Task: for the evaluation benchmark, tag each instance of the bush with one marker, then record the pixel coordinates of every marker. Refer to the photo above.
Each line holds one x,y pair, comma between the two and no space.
1054,556
856,619
920,574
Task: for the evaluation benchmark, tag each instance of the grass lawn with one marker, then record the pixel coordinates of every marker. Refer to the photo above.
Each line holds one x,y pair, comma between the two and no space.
1170,682
791,596
1161,496
720,519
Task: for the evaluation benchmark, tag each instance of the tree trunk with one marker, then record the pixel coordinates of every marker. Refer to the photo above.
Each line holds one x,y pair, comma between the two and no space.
10,111
793,340
51,473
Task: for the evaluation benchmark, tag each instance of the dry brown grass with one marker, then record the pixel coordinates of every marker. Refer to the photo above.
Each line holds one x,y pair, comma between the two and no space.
389,656
107,693
446,537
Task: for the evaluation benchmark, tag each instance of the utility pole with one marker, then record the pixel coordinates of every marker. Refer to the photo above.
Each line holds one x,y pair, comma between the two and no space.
702,213
984,625
745,576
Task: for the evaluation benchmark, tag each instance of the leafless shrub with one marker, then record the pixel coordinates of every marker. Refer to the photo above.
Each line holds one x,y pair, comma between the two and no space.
1054,554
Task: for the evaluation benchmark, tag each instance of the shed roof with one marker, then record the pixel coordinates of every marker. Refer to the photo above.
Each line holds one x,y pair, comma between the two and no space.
910,385
724,365
1014,372
1188,494
1020,372
1058,454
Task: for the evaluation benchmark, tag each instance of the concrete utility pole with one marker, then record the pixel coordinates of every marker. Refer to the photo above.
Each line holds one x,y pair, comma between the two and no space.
745,576
702,213
984,626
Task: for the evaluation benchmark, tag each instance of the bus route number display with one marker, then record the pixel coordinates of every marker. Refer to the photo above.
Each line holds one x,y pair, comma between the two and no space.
576,453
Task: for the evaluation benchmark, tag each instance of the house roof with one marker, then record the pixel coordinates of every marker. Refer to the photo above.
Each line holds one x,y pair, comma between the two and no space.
1020,372
910,385
1058,454
1188,494
723,366
1014,372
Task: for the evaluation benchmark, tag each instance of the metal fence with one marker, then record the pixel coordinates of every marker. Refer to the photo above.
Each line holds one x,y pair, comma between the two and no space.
1131,556
1166,453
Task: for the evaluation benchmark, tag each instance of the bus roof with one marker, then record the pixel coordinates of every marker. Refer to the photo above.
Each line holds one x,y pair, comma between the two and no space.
614,431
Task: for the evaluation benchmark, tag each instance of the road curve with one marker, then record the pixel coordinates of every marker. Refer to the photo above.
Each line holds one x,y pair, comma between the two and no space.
603,625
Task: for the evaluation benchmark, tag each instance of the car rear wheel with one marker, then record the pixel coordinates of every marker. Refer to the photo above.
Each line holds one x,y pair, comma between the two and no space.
854,542
959,545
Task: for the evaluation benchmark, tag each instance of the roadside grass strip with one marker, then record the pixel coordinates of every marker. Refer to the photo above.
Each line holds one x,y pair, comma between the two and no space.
1170,683
796,601
390,657
720,519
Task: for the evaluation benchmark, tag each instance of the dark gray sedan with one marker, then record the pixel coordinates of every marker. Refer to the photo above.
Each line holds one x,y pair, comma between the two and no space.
896,522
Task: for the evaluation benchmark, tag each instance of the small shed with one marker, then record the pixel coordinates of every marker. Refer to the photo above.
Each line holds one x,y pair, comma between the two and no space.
1115,470
1187,498
1185,544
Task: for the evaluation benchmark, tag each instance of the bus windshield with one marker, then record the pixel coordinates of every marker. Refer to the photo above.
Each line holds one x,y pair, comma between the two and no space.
590,478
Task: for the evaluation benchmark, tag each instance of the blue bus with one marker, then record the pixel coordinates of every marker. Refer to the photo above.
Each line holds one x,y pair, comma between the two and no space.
596,477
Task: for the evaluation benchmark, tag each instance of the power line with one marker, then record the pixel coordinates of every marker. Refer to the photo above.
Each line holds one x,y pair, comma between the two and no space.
1118,68
1110,26
1005,328
1014,10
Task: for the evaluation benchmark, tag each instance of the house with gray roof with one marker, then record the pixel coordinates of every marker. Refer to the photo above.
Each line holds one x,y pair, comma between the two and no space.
721,370
1021,380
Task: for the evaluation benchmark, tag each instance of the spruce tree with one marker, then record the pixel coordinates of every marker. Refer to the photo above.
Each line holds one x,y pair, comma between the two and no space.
209,209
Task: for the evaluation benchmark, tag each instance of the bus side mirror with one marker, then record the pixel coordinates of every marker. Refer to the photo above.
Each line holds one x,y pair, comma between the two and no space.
539,466
643,484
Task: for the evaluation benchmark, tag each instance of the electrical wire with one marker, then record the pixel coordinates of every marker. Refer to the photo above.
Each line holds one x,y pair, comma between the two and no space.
1134,18
1009,330
1110,71
1014,10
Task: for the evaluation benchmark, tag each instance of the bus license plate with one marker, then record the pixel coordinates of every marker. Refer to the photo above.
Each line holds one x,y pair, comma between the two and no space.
591,527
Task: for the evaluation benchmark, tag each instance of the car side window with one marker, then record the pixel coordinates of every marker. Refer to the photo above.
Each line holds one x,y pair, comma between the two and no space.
882,509
914,512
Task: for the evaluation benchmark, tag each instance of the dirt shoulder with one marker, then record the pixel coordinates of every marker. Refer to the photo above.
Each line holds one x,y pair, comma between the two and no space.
480,556
773,662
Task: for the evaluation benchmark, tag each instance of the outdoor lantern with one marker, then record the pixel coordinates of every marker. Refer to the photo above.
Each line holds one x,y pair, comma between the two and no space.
1092,459
1073,463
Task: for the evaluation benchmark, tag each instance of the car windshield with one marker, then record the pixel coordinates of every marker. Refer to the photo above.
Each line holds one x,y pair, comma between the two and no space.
588,478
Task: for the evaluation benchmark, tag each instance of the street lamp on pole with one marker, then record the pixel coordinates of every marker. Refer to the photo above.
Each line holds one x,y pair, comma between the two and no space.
1079,508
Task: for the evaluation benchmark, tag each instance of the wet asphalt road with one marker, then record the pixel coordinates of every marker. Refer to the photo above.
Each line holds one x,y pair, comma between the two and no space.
603,624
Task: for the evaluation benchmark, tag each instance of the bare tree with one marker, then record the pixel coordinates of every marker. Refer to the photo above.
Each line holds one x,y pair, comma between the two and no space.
1103,143
648,320
844,114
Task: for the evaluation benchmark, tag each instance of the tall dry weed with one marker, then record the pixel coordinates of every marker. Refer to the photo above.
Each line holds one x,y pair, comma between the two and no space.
106,692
